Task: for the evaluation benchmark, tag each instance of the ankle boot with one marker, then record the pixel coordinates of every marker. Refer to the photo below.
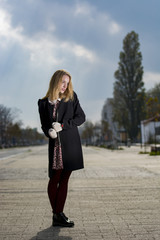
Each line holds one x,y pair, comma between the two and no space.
59,219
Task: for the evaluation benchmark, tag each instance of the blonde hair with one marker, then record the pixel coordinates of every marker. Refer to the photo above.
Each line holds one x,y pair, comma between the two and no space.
53,90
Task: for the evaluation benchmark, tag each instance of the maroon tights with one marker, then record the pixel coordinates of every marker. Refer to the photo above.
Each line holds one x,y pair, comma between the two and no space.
57,189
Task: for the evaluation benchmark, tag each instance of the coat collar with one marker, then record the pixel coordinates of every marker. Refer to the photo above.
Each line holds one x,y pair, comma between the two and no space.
54,101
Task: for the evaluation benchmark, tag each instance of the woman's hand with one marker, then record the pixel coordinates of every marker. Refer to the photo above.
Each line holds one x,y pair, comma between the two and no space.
52,133
57,126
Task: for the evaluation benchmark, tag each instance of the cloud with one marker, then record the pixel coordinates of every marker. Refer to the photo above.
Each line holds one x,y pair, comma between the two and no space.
8,33
80,39
78,50
83,9
95,18
114,28
43,46
151,78
80,36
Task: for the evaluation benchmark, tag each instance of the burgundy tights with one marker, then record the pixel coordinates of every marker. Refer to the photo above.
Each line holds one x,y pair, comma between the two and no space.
57,189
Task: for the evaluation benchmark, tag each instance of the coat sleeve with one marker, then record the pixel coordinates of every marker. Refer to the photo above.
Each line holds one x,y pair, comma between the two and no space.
78,115
45,127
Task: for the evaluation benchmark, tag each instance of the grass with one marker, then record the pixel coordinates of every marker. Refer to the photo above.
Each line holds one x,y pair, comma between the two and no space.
154,153
111,147
143,152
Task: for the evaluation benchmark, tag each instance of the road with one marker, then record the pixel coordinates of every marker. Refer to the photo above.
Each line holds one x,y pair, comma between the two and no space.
7,153
115,197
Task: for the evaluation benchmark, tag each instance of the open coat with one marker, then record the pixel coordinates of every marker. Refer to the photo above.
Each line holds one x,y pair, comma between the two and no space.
71,115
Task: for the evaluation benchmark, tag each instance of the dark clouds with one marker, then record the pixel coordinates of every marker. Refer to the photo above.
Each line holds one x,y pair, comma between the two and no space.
38,37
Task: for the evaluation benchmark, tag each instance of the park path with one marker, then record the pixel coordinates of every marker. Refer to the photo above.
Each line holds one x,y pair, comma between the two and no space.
115,197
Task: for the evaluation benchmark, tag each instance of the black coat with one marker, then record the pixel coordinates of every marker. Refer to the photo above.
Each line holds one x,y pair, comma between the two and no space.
71,115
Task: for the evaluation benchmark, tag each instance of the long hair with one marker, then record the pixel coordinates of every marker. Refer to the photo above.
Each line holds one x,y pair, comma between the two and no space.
53,90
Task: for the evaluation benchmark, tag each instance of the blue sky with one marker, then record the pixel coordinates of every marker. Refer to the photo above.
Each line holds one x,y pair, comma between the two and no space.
37,37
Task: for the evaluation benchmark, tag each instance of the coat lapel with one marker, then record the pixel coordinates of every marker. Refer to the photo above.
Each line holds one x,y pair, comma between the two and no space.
61,110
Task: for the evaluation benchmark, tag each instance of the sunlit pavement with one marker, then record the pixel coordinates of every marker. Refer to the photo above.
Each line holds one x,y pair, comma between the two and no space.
115,197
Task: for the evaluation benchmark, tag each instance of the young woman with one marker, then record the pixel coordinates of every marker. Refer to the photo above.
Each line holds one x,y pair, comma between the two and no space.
60,114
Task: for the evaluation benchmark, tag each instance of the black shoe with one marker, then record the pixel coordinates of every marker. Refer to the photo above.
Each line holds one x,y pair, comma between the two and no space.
59,219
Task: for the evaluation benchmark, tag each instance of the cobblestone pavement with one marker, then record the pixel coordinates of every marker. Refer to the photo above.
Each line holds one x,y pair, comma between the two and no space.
115,197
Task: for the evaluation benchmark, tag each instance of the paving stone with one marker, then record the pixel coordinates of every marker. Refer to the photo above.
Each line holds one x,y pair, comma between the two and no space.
115,197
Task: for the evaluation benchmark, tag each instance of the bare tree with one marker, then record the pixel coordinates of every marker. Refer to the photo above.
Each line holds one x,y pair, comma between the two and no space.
6,120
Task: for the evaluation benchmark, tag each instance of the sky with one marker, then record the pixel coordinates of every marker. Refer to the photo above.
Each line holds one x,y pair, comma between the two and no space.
38,37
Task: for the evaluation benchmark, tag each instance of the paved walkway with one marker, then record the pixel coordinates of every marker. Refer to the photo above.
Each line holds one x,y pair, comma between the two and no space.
116,197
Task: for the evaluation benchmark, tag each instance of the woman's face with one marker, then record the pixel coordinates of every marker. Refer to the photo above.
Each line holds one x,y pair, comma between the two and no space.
64,83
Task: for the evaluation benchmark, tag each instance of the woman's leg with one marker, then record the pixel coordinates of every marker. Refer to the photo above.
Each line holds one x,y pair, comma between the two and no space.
58,198
61,193
53,187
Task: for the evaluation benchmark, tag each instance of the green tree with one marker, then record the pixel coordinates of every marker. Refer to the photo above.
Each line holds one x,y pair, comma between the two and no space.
104,127
6,118
155,92
11,133
14,133
129,92
87,132
153,101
